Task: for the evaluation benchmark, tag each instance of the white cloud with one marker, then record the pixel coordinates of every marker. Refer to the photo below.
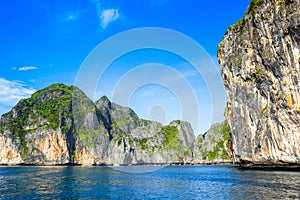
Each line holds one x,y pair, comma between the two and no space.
11,92
26,68
108,16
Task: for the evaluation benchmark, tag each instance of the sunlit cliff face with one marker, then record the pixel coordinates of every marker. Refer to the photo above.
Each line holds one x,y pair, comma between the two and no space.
260,58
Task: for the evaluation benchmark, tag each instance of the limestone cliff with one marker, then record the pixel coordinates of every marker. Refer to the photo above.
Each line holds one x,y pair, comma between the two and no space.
260,60
54,126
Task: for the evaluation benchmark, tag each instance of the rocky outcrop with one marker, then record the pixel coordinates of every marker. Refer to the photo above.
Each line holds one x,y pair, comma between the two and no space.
214,146
61,125
260,60
52,127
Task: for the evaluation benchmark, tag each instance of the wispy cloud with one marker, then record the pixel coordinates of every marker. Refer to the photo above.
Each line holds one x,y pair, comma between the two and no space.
71,15
26,68
106,14
11,92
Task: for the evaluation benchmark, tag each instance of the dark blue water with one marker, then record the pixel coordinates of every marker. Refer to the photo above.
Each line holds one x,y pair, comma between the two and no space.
178,182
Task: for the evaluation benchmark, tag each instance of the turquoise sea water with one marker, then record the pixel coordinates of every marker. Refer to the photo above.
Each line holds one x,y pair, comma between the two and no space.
173,182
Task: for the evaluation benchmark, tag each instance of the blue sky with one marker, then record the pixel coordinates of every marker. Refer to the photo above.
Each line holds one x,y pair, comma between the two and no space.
46,41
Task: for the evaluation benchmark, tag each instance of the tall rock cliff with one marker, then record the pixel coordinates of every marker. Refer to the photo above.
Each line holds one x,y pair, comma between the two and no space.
260,60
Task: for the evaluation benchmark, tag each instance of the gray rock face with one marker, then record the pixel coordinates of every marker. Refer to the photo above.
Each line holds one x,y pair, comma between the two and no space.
260,60
150,142
112,114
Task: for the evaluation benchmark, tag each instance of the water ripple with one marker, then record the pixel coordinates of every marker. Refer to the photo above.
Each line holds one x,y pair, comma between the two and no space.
189,182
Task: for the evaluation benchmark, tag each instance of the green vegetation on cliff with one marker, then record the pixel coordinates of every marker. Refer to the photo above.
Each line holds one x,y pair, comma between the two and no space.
172,141
170,133
88,137
216,143
253,6
54,104
238,24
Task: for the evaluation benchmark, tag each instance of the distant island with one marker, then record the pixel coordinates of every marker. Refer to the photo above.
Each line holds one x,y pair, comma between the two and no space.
60,125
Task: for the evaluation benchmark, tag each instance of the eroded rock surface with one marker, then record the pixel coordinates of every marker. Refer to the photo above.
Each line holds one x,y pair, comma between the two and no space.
260,60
